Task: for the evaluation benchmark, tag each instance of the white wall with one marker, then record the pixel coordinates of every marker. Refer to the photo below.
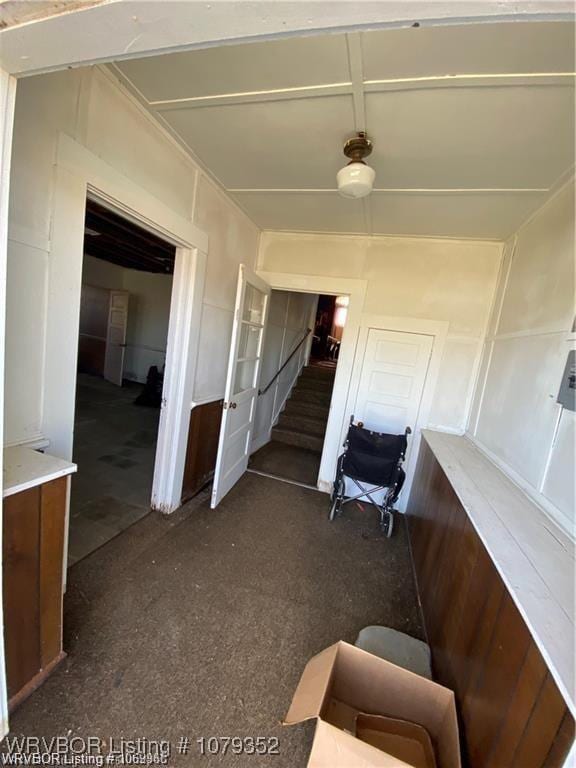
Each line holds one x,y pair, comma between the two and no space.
148,316
91,107
421,278
233,241
102,274
148,312
288,319
515,416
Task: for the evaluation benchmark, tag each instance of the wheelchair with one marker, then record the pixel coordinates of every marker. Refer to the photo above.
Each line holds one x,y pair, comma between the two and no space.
374,458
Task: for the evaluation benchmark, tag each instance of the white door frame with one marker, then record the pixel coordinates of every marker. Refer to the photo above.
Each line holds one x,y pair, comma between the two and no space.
81,174
334,286
7,103
436,328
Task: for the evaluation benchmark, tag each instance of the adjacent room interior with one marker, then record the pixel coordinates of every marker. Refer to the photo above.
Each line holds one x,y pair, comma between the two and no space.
124,313
371,223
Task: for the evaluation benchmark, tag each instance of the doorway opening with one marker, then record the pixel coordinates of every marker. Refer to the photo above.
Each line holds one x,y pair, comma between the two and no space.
127,281
300,412
328,327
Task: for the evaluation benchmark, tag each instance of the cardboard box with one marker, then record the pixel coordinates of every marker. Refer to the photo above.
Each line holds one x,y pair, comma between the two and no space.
343,682
405,741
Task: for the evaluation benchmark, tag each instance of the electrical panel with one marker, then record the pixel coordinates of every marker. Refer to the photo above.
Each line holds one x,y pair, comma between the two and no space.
567,393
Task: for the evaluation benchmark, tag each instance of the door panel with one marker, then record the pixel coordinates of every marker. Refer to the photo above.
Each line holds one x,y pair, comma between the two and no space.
242,380
116,337
392,380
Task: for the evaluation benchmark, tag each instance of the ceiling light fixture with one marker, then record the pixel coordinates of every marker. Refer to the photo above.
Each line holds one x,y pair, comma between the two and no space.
356,179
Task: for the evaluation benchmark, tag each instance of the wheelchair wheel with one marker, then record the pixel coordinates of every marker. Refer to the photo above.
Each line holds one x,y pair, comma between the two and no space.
336,497
388,524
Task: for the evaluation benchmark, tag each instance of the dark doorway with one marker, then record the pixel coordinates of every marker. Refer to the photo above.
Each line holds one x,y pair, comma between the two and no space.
125,306
330,321
295,450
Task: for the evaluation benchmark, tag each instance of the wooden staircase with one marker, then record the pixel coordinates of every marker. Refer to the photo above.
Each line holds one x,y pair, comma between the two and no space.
303,421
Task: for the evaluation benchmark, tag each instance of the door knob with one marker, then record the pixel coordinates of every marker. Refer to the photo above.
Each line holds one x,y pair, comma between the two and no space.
232,405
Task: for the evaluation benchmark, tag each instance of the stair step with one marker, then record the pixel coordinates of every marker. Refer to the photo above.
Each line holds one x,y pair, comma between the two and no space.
302,408
318,385
301,439
322,374
306,424
311,396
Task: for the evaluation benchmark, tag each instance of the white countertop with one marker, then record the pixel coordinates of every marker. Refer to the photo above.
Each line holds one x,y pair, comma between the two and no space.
533,555
25,468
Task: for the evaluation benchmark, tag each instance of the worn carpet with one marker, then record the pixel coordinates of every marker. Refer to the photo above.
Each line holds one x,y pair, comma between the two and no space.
287,461
200,624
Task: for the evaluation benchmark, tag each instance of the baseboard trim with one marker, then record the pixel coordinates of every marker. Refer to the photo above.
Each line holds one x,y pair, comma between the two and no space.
35,682
282,479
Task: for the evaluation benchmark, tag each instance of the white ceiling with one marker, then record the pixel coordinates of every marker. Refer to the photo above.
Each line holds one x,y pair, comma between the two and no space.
473,126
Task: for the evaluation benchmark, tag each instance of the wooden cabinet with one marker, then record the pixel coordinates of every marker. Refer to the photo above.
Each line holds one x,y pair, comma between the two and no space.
512,714
33,530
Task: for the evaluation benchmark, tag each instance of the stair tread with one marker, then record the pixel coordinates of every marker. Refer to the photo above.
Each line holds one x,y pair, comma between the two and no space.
321,386
306,416
304,440
295,410
303,392
284,429
316,377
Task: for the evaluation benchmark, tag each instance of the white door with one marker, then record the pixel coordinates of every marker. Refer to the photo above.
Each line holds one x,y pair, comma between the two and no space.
244,364
116,337
392,380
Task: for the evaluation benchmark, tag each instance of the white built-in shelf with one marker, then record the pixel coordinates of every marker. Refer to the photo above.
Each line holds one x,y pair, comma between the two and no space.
25,468
533,555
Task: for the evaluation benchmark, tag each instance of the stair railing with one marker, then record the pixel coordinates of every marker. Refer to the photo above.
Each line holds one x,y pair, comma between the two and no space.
290,356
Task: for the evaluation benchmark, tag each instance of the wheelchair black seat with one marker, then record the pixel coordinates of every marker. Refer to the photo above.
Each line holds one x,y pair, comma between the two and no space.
373,458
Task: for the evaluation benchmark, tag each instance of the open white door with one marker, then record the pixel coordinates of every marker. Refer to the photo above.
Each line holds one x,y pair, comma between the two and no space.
244,364
116,337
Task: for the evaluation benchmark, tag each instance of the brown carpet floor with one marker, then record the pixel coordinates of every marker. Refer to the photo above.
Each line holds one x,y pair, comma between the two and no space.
200,624
287,461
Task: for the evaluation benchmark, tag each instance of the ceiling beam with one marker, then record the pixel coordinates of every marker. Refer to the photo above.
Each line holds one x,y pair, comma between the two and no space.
123,259
357,87
354,45
356,64
122,29
251,97
403,191
497,80
110,237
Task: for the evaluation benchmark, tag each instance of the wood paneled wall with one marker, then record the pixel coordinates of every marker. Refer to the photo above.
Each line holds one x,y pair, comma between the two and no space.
511,712
33,551
202,447
91,355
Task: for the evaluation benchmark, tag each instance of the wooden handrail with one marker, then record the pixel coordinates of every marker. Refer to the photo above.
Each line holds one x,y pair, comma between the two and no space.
290,356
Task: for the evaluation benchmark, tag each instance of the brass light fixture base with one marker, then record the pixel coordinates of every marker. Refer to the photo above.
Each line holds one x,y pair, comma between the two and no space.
358,147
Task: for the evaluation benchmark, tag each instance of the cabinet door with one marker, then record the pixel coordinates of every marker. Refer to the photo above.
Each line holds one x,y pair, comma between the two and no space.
21,578
33,546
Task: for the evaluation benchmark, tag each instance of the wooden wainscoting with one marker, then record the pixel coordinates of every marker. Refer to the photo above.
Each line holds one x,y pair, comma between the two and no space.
91,355
511,712
202,448
33,550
